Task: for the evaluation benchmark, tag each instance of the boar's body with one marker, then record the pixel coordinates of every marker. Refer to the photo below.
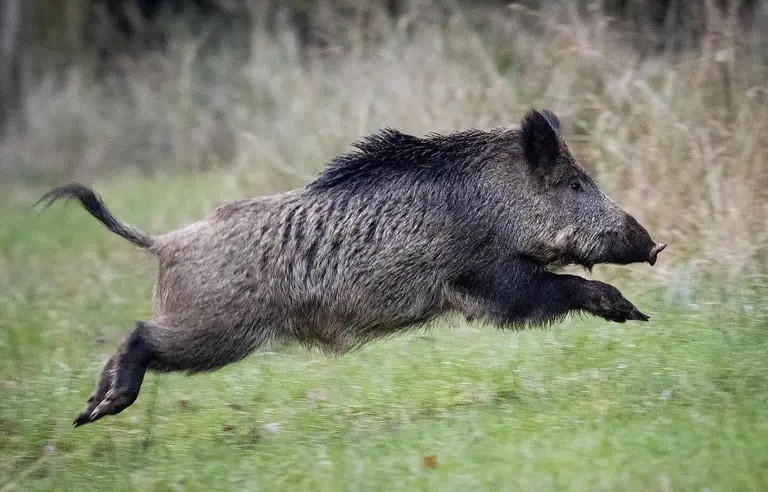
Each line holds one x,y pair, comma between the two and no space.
334,265
388,237
327,271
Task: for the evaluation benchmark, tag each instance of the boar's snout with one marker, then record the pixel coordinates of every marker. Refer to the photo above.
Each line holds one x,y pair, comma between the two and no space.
632,244
655,250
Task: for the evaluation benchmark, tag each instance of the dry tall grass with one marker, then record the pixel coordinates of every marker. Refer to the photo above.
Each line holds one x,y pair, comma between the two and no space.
680,140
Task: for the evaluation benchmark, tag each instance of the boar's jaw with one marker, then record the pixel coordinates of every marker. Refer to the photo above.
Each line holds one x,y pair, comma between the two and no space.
560,253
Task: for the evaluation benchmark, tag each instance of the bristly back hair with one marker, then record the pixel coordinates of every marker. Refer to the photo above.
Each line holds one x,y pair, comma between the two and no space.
390,154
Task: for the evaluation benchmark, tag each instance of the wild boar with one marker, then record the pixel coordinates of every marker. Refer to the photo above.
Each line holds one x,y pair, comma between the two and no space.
388,237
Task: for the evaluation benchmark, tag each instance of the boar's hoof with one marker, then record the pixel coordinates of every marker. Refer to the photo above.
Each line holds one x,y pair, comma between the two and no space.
620,317
657,248
606,301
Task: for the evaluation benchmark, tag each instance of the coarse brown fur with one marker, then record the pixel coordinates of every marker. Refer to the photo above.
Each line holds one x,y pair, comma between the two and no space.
388,237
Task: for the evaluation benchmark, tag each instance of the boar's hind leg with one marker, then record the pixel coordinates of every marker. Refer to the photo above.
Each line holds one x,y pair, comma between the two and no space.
120,379
161,346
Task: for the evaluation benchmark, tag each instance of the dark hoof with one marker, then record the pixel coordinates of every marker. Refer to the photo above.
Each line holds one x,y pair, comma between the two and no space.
606,301
624,315
636,315
81,419
120,380
114,402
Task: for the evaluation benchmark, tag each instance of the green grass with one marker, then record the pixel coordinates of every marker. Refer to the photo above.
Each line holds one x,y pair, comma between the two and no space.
678,403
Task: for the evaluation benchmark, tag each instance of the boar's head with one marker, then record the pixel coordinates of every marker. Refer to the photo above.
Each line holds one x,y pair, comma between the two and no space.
560,214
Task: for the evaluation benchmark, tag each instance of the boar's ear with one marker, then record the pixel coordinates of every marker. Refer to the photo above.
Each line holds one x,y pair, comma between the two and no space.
540,132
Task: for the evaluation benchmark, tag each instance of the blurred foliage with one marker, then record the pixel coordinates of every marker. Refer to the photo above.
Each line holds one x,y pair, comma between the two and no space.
74,28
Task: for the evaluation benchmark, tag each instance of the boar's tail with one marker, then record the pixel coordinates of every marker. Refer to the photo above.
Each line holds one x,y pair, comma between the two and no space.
96,207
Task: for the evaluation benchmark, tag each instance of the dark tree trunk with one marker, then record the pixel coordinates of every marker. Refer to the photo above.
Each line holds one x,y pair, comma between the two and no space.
14,22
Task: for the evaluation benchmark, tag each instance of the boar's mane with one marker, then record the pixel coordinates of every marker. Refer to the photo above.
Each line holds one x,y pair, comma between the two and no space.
391,156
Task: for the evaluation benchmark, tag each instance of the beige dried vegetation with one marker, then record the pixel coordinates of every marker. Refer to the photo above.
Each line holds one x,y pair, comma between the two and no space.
679,138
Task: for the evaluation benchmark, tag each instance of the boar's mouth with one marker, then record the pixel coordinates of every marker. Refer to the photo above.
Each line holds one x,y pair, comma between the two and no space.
625,254
604,248
617,253
623,258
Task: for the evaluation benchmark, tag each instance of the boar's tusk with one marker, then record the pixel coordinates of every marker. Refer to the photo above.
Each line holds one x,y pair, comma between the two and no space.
658,248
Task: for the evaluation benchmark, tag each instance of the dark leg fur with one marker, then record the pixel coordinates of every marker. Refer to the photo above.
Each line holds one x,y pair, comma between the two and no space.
120,380
517,291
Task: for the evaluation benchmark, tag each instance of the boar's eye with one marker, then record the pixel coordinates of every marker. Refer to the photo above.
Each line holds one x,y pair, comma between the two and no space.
576,186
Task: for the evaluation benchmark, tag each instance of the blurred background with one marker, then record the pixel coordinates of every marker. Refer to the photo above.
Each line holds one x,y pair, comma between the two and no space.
664,100
170,107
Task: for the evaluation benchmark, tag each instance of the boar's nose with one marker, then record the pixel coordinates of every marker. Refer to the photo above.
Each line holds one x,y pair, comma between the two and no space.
657,248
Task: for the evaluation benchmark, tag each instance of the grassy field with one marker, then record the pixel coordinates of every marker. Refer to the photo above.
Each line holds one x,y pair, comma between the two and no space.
679,403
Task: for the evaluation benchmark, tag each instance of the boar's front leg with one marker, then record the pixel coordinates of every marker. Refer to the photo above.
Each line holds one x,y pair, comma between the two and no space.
516,291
